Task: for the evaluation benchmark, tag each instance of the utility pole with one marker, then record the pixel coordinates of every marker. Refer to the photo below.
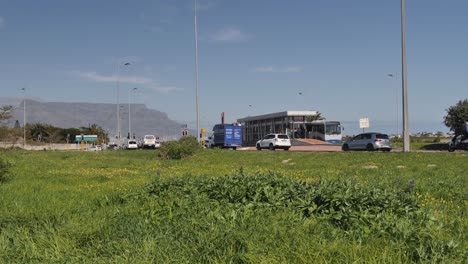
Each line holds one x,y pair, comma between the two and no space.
118,101
129,111
406,137
24,118
196,72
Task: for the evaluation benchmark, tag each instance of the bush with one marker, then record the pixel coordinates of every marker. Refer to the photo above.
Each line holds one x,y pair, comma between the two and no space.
204,208
4,169
185,147
345,204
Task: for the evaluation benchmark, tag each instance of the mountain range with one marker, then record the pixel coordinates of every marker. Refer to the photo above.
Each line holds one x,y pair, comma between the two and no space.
144,121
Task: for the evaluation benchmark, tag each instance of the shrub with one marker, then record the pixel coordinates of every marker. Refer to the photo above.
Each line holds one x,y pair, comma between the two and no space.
4,170
185,147
359,212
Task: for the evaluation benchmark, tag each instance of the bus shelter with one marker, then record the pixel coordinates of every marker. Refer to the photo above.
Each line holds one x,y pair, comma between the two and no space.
296,124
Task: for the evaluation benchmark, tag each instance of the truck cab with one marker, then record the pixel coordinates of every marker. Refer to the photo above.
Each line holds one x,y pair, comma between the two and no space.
227,136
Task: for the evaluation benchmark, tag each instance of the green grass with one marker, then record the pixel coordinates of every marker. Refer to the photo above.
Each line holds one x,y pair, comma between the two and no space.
234,206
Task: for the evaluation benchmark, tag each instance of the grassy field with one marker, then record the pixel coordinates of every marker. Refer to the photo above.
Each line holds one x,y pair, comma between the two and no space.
233,207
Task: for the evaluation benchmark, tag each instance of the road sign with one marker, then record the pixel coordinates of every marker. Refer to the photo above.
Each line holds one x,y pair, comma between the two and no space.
87,138
364,122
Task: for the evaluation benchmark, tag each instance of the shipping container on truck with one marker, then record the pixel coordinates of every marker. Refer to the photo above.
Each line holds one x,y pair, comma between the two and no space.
227,136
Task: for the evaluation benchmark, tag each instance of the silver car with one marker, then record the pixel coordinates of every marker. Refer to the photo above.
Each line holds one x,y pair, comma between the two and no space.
368,141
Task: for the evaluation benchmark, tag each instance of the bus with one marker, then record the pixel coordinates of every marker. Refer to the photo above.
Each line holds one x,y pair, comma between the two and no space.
329,131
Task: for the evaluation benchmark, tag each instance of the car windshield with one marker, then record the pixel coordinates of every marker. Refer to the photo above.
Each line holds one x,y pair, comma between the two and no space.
149,137
381,136
132,142
283,136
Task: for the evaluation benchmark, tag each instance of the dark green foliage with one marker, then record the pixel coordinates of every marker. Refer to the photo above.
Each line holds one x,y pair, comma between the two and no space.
192,210
4,170
345,204
183,148
94,129
51,134
456,116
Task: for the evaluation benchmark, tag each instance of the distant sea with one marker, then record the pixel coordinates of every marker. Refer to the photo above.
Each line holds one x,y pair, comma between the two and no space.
352,127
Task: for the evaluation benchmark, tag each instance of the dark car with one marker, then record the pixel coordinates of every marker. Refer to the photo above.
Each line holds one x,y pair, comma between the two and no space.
458,142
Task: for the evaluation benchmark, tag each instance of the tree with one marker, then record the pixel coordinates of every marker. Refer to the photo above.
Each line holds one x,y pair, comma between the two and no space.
69,134
457,116
315,117
5,132
5,112
39,132
94,129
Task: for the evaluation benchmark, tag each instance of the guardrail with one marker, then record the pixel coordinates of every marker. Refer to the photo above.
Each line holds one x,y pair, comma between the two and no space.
50,146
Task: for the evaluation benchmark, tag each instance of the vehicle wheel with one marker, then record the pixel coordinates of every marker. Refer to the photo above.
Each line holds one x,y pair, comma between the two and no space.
234,148
370,147
286,149
272,147
345,147
450,149
258,147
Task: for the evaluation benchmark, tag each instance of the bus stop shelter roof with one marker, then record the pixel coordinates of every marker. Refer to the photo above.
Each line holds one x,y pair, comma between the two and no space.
278,114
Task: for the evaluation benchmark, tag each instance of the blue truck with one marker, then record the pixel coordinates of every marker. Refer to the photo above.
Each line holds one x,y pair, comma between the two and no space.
227,136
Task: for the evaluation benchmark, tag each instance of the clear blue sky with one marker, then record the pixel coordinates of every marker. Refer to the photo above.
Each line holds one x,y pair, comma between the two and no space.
263,53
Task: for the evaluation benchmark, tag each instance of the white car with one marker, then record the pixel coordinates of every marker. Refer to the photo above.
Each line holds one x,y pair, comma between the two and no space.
209,142
132,144
274,141
95,148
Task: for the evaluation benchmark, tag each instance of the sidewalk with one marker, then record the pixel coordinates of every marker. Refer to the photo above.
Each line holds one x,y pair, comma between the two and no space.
311,148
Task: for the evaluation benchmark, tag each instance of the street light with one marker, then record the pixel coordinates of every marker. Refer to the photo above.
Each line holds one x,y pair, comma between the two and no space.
24,117
129,111
404,83
303,100
118,103
196,71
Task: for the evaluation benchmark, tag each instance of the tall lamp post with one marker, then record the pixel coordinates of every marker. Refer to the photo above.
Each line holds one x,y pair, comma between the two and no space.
129,111
24,117
118,103
406,138
196,71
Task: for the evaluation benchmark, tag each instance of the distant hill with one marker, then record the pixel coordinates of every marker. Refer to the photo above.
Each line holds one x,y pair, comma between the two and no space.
66,115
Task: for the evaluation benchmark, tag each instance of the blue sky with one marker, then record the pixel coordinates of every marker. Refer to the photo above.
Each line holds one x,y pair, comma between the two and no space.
255,57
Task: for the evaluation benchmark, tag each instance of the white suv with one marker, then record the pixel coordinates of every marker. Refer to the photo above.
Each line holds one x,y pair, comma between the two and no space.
274,141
